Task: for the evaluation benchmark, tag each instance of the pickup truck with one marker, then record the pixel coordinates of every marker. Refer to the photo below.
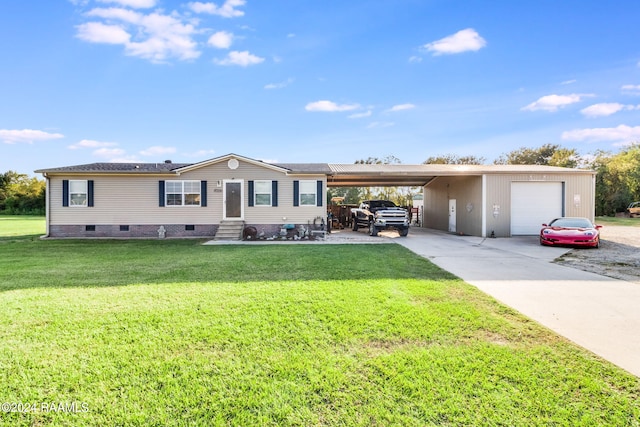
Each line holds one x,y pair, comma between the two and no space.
634,209
376,215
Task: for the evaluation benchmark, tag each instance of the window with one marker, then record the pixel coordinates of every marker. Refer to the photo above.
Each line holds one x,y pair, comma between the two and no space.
262,191
182,193
189,227
124,228
78,193
89,228
308,193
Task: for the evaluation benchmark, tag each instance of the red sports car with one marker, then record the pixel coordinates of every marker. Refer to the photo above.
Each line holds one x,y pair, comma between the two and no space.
570,232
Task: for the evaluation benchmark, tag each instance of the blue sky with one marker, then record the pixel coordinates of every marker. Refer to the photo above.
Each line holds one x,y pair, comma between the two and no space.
86,81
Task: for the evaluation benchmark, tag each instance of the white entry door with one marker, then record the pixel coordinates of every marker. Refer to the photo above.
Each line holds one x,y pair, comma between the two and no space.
452,215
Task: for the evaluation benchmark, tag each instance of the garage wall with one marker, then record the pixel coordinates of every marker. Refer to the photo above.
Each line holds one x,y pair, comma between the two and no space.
467,190
579,197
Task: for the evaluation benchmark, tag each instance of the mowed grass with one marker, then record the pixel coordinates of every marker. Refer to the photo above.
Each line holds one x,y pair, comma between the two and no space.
173,333
21,226
609,220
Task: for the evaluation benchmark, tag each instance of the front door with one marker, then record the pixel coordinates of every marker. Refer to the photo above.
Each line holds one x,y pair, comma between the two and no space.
233,200
452,215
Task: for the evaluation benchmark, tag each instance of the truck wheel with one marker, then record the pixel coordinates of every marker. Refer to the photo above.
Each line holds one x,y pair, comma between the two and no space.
404,232
355,225
373,231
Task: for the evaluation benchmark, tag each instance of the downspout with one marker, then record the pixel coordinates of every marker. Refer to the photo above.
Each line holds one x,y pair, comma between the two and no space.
47,207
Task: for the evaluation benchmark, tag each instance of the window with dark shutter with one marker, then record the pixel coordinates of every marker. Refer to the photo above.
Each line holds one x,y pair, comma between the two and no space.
296,193
65,193
203,194
274,193
250,201
161,194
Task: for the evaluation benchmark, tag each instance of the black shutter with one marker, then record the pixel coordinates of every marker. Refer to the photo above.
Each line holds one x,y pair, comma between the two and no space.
319,194
251,202
274,193
203,194
65,193
296,193
90,193
161,194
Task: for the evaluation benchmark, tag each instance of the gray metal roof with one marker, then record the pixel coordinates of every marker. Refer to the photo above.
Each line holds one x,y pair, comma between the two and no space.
116,168
338,174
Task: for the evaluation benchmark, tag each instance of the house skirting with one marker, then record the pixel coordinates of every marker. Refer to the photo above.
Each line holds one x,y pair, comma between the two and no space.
151,231
144,231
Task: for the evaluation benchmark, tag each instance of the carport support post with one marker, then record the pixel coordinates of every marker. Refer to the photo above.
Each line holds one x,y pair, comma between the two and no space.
484,205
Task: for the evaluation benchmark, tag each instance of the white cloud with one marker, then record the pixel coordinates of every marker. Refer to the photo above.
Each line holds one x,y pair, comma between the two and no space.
631,89
401,107
97,32
329,106
243,59
462,41
227,10
360,115
221,40
136,4
200,153
554,102
27,136
155,36
606,109
415,59
88,143
619,134
157,150
291,35
568,82
279,85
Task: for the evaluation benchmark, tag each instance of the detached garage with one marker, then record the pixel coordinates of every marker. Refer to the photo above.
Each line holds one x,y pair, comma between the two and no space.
506,200
482,200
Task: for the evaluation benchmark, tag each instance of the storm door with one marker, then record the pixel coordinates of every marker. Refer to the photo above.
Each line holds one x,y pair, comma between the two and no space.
233,200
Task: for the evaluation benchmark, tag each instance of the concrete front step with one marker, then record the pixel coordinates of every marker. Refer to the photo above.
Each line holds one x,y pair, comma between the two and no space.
230,230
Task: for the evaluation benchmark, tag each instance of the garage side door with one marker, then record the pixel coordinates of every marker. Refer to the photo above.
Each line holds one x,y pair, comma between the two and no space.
534,203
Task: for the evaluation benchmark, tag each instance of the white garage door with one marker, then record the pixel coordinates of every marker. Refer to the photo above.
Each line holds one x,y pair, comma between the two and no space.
534,203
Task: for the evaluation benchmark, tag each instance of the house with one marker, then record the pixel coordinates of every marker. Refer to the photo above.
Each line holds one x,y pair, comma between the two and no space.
232,192
136,199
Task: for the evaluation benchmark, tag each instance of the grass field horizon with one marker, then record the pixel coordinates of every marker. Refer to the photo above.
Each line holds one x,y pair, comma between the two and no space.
150,332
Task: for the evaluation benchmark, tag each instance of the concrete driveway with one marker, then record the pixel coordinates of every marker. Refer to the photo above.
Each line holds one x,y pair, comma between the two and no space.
598,313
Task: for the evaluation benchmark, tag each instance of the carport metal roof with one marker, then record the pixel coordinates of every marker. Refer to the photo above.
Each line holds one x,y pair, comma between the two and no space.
377,175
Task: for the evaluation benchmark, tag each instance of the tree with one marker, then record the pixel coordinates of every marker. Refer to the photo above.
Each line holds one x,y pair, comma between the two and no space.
454,159
548,154
20,194
617,179
390,159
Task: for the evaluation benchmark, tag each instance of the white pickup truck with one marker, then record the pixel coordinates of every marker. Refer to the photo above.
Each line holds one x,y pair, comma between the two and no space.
376,215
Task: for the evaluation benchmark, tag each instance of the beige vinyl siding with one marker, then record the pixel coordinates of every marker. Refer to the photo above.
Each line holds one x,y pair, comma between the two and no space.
133,199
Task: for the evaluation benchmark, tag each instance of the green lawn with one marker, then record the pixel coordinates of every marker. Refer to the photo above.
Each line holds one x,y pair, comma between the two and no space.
21,226
609,220
161,333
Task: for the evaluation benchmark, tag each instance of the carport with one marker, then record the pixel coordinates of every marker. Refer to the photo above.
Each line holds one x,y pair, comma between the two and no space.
482,200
